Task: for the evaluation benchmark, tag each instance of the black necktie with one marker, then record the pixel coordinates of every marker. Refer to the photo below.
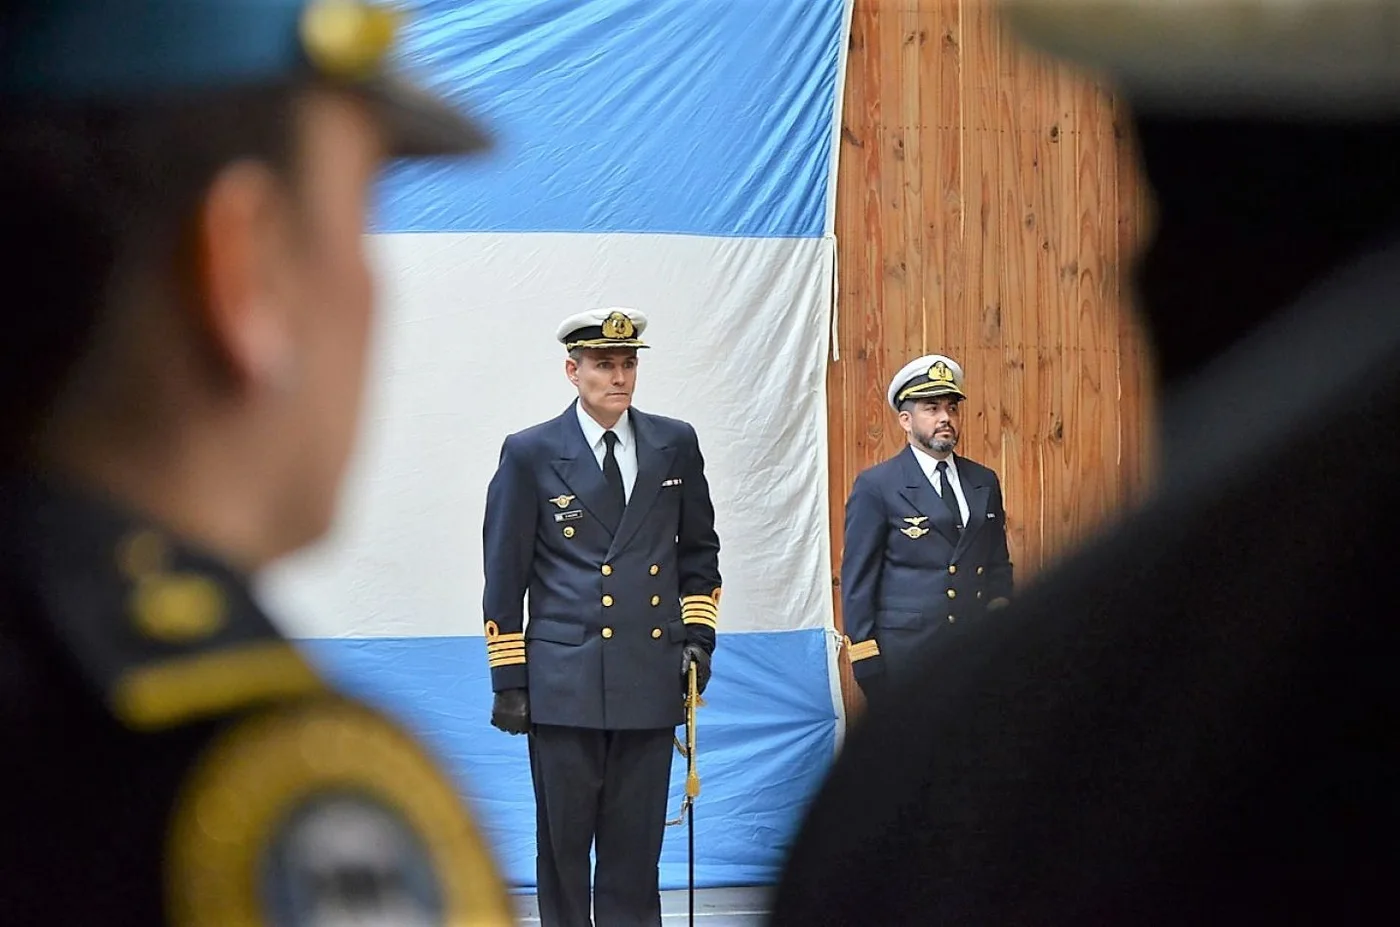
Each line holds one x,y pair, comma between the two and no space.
612,475
949,499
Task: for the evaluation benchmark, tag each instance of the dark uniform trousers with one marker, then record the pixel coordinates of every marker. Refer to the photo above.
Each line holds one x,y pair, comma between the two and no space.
910,580
155,726
610,613
608,786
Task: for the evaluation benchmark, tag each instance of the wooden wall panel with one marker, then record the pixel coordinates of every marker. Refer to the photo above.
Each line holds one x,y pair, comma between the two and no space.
987,206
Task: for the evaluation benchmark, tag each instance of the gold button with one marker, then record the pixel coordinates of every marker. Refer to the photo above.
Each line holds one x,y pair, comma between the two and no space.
607,569
952,593
656,600
569,531
655,569
979,571
952,568
655,633
607,601
952,619
607,632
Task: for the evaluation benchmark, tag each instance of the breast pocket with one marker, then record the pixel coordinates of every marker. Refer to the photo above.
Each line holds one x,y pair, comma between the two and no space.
666,510
909,542
556,632
899,620
566,523
913,528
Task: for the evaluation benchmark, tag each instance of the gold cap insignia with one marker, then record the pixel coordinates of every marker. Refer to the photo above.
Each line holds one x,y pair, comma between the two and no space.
940,372
348,39
618,325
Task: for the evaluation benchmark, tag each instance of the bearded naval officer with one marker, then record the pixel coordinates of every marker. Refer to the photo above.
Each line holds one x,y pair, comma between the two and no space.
925,540
603,516
188,311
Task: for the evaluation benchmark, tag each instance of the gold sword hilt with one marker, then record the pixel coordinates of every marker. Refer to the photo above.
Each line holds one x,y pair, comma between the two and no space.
692,775
692,704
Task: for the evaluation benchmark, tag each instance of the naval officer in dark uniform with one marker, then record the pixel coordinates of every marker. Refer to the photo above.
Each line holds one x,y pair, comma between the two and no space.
187,309
603,516
925,538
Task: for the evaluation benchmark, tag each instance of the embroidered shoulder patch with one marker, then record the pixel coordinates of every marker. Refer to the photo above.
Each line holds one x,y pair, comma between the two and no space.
325,813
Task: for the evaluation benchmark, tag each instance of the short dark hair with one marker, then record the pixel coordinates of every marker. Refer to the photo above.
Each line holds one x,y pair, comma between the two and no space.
577,354
93,196
908,405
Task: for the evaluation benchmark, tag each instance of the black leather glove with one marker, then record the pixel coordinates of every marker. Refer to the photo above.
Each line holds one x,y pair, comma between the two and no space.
511,711
702,668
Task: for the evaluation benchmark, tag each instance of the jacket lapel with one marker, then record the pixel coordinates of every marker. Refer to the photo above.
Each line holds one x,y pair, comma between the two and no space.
977,492
653,464
919,493
578,468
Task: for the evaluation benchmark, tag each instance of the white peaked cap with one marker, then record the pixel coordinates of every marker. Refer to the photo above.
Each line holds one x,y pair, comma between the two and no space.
612,327
924,378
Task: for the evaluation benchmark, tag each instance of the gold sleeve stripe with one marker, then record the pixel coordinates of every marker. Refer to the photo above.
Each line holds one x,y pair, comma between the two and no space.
864,650
509,659
707,622
497,645
699,605
505,651
708,600
504,638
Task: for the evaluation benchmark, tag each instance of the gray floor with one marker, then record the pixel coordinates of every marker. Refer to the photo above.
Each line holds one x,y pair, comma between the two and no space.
714,907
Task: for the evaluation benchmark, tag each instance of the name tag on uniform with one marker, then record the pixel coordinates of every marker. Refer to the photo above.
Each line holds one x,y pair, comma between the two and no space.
568,516
676,481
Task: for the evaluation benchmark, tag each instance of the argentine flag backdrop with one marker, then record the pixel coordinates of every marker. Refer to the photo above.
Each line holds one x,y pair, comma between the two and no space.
675,156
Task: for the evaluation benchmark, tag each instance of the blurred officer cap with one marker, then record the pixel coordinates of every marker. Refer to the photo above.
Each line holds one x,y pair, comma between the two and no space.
85,51
1334,57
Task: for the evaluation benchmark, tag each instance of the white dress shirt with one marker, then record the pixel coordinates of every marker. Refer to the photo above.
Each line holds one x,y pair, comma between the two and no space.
626,452
929,464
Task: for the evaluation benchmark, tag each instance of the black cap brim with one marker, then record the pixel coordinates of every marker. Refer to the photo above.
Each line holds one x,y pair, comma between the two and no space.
933,392
418,124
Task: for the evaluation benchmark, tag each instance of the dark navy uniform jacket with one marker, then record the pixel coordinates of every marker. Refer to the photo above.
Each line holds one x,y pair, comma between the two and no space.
171,759
609,614
908,576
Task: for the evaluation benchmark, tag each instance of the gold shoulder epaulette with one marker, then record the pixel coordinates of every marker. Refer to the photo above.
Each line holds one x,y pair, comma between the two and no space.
191,669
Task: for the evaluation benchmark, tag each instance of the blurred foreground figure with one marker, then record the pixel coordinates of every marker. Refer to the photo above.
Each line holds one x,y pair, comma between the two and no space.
187,309
1193,720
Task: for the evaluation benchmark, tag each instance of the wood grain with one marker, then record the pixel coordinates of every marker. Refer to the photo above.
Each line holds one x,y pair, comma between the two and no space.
989,207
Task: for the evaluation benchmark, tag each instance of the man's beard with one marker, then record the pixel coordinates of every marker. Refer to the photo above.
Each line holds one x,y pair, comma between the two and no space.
938,444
